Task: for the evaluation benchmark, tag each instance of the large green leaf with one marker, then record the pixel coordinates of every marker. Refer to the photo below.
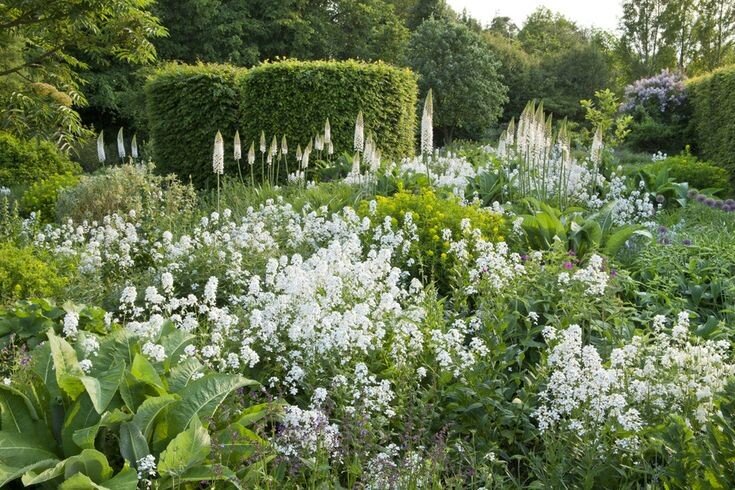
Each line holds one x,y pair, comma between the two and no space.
236,443
9,473
149,410
80,415
20,450
202,397
182,374
133,445
91,463
66,365
102,389
17,413
187,450
49,473
126,479
174,341
84,438
143,371
42,365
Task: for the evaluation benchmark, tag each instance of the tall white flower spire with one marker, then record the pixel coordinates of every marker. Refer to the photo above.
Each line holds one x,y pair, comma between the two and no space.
134,147
218,156
101,147
327,133
427,125
238,147
120,144
359,132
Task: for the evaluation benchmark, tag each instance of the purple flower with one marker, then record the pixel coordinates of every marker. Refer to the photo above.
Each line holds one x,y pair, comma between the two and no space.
568,265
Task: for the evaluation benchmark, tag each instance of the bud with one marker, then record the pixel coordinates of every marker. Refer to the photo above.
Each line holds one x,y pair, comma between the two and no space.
218,156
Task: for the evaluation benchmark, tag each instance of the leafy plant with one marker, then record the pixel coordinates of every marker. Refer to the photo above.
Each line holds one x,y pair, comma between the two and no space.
41,196
23,162
95,422
23,274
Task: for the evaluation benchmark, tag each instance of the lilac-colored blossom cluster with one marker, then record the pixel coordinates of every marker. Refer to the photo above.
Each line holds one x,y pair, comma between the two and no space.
664,91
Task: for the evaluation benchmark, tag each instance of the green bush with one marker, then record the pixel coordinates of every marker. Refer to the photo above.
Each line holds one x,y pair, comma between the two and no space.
713,102
296,98
429,257
123,189
41,196
25,161
698,174
186,106
23,275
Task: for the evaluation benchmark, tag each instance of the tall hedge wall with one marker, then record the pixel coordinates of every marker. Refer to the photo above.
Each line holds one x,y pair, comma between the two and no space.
296,98
713,103
186,106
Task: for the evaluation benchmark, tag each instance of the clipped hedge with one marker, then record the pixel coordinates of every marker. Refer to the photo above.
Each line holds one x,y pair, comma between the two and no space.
187,105
713,103
23,162
296,98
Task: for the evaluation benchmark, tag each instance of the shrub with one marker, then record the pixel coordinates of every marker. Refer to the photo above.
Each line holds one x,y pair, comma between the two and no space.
698,174
42,195
25,161
23,275
186,106
123,189
295,98
431,215
713,103
660,113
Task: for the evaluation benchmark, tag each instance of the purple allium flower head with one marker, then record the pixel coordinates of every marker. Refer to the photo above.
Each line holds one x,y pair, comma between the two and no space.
701,198
719,204
709,202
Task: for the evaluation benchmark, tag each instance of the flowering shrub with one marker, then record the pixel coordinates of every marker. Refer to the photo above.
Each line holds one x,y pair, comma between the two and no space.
42,195
662,92
641,383
660,113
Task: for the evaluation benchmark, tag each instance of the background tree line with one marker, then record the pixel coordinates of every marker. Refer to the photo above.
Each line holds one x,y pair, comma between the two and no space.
93,56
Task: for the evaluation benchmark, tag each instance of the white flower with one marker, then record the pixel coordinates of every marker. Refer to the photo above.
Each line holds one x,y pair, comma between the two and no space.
218,156
71,324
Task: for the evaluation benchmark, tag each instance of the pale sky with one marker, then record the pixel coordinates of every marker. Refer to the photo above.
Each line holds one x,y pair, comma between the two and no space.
603,14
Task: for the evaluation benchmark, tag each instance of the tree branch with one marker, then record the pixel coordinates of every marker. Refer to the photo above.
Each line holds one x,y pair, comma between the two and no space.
31,62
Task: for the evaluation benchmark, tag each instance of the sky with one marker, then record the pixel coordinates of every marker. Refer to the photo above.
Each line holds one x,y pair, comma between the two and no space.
603,14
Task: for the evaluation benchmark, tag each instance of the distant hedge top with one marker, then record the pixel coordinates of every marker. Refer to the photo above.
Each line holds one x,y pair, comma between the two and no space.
188,104
713,102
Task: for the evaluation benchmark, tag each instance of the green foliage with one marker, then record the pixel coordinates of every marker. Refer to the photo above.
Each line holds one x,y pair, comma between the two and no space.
713,102
65,423
42,195
23,162
47,43
243,33
691,268
186,106
24,275
463,73
578,232
123,189
296,98
698,174
603,115
431,215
